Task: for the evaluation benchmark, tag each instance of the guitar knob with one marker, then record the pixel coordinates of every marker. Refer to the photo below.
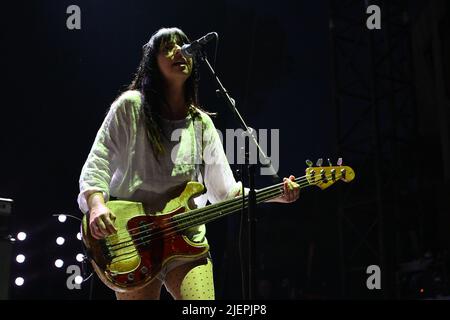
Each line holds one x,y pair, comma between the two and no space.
309,163
329,162
319,162
131,276
333,174
323,176
339,162
313,175
343,173
144,270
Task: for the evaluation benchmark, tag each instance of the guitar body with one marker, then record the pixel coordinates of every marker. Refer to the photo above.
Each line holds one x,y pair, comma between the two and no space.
144,244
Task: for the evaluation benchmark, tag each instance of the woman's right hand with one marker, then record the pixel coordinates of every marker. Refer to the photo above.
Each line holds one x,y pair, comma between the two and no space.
101,221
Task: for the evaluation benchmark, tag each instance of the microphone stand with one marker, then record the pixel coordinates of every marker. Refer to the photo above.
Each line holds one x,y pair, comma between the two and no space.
251,212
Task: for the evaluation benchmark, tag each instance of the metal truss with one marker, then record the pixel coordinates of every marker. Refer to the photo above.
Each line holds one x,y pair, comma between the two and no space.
373,95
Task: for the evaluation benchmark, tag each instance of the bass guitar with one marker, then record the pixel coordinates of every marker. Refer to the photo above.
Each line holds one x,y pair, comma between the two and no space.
144,244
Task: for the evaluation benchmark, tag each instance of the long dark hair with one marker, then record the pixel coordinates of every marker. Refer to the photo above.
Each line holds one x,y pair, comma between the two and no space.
148,80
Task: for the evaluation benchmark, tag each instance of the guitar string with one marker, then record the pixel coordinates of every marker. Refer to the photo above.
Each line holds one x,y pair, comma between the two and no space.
134,253
171,232
204,211
183,226
190,213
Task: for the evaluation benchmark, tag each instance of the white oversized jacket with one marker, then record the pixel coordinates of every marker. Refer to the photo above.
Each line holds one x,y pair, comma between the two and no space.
122,164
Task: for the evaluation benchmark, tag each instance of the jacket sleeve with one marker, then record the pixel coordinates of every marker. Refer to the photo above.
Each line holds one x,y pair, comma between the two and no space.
108,150
219,180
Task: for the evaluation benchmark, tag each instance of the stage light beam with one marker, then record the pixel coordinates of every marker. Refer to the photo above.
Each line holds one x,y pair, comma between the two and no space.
59,263
80,257
21,236
19,281
60,241
20,258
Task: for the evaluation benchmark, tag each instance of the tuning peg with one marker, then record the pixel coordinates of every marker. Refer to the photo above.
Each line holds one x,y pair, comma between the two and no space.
319,162
339,162
309,163
329,162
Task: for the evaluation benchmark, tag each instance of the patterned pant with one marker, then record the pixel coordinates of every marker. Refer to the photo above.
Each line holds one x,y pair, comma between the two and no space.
189,281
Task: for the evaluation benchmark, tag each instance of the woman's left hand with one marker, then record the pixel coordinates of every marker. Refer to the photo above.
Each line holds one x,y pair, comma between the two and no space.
291,191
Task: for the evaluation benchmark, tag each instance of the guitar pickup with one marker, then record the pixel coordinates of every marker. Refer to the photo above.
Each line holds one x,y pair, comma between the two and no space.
144,233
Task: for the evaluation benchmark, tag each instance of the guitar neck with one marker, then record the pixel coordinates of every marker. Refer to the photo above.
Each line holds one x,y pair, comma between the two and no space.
323,177
212,212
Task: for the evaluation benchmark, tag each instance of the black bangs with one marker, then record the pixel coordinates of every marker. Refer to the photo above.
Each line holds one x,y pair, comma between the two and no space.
165,35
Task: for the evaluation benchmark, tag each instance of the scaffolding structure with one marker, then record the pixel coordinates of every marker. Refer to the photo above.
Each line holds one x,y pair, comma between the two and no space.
374,99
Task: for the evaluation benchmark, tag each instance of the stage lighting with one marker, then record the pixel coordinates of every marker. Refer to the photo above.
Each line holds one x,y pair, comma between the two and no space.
62,218
80,257
21,236
60,241
79,235
59,263
19,281
78,279
20,258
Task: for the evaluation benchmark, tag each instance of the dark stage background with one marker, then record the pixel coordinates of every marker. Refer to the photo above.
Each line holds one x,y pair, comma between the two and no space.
380,99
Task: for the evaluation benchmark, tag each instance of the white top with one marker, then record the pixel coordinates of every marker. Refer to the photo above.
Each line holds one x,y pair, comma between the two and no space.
121,162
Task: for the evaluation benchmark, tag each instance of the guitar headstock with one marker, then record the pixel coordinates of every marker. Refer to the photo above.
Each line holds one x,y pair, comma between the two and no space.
325,176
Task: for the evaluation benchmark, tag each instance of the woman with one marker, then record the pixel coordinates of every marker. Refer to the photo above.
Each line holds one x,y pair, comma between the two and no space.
135,157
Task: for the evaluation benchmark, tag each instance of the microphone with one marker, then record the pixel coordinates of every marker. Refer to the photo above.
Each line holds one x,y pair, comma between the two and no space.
188,50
